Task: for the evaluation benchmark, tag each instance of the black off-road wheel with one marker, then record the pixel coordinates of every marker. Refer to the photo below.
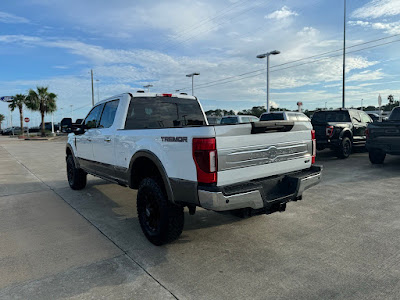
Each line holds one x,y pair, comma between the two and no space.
161,221
345,148
76,177
377,156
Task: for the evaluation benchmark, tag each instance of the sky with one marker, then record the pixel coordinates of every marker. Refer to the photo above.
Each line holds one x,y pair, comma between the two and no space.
129,44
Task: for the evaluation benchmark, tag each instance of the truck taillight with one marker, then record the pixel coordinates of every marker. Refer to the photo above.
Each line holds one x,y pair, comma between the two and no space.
329,131
367,133
205,158
314,147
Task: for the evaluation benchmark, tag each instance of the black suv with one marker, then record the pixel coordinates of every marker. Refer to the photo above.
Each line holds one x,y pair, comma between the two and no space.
340,129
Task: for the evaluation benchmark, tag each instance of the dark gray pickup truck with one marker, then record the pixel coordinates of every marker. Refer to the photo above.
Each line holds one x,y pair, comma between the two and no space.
384,137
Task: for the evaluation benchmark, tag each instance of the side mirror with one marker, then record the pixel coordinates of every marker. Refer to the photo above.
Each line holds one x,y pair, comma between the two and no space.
79,129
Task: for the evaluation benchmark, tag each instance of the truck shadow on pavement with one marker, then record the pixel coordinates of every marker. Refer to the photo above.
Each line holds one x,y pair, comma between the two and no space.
112,210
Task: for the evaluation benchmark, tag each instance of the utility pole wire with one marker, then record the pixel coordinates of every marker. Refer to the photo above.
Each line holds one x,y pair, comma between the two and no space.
259,71
314,61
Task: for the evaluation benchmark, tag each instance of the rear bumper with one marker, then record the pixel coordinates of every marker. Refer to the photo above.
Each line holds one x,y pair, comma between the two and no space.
390,147
328,143
262,193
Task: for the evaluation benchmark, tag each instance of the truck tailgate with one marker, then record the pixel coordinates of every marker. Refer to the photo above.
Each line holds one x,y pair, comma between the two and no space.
246,154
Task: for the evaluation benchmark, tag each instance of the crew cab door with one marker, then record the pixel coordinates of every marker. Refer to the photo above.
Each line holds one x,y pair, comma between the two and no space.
358,127
84,144
103,140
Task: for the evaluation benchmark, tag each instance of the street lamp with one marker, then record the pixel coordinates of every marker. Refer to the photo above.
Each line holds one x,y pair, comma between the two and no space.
275,52
148,87
192,75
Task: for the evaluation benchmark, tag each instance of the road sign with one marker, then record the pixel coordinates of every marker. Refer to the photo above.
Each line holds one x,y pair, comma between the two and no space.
26,120
7,98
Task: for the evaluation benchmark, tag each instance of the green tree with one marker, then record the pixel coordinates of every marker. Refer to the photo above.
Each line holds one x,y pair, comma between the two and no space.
19,101
43,101
2,118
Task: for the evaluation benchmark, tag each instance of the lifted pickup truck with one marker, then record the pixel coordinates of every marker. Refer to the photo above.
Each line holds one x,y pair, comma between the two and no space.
384,137
340,130
162,145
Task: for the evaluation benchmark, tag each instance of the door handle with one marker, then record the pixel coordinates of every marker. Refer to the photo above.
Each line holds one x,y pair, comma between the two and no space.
107,139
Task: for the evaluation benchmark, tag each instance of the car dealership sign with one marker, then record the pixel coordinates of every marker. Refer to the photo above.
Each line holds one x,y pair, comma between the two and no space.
6,98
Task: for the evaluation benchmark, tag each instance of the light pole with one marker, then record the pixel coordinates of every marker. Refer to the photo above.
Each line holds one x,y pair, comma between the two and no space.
98,93
192,75
362,104
275,52
344,57
91,73
71,111
148,87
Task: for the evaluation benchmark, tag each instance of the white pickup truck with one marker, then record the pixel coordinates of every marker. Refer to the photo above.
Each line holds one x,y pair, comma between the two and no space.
162,145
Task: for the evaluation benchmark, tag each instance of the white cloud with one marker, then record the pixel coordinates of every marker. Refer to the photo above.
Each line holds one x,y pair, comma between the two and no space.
283,13
11,19
366,75
377,9
389,28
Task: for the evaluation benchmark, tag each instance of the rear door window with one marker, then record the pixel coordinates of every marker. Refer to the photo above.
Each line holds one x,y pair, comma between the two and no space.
163,112
108,116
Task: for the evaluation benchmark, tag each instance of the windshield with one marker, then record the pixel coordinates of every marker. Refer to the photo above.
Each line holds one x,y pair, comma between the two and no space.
229,120
395,115
271,117
330,116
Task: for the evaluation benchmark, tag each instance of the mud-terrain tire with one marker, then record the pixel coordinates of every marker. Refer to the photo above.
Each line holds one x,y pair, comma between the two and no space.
76,177
161,221
345,148
377,156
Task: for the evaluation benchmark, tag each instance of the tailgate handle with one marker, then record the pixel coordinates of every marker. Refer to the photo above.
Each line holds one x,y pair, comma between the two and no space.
271,126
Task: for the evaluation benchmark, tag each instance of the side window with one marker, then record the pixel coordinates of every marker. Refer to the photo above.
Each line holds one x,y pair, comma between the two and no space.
245,119
108,116
92,120
365,118
355,117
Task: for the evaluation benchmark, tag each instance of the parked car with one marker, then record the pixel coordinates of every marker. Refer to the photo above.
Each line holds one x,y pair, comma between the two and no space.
214,120
340,130
161,145
15,130
284,115
237,119
48,126
384,138
374,117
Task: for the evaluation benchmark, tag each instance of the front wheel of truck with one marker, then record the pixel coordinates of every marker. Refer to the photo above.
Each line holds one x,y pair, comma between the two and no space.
76,176
377,156
161,221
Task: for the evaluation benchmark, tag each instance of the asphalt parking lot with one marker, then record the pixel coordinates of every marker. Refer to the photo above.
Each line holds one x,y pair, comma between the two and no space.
342,241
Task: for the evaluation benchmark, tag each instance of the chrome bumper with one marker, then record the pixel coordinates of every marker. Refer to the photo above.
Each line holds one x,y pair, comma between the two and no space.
217,201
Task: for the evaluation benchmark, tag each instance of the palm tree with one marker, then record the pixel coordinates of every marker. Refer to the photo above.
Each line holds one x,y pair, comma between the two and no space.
2,117
43,101
18,101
